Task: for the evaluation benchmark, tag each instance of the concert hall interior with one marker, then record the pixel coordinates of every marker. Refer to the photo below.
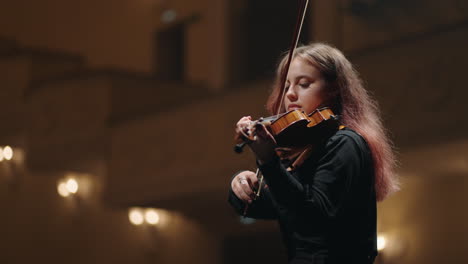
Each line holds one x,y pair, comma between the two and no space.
118,116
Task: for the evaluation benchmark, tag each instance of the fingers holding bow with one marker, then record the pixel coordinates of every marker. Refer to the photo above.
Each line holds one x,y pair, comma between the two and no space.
244,185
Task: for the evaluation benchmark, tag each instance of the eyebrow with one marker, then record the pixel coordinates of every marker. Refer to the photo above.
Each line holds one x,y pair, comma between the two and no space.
301,77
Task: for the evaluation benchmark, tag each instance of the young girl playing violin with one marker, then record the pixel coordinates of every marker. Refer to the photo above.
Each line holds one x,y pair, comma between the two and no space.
326,203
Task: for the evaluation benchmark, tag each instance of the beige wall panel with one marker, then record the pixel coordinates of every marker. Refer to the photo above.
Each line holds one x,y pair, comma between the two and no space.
425,221
182,151
383,22
19,69
111,32
39,225
68,121
420,87
15,73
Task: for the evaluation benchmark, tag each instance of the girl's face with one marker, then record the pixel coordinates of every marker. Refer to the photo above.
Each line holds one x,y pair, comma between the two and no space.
304,86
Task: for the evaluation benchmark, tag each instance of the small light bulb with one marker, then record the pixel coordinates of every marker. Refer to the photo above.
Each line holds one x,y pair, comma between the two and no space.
168,16
381,242
8,152
62,189
152,217
72,186
135,216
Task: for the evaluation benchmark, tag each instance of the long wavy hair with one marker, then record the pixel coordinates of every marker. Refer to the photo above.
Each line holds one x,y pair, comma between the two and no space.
347,97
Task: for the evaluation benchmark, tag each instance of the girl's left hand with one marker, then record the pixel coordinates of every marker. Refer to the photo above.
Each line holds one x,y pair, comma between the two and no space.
264,144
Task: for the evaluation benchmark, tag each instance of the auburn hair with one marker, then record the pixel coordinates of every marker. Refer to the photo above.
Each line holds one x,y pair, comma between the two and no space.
347,97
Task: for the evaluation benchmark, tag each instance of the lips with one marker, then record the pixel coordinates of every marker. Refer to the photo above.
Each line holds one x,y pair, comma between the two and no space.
294,107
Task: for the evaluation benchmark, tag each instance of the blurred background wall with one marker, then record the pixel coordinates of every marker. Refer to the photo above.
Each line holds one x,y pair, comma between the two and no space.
117,124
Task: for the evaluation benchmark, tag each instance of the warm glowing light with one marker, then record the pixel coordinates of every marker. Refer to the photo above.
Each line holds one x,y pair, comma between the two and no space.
62,189
135,216
168,16
152,217
72,185
381,242
7,153
1,154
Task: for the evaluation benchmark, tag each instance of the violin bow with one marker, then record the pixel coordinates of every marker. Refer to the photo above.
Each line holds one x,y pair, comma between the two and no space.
295,40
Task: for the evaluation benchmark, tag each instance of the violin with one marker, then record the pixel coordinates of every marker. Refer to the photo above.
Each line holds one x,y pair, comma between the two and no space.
294,128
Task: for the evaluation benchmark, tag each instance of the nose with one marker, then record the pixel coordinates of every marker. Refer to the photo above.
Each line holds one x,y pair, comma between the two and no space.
291,94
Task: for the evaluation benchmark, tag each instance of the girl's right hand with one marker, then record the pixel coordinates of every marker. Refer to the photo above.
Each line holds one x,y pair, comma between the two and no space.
243,185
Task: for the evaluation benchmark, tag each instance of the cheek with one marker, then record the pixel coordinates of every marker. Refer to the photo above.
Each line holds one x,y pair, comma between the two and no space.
313,96
314,100
319,95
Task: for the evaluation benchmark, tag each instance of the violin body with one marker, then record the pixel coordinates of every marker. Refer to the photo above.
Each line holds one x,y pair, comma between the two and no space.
295,128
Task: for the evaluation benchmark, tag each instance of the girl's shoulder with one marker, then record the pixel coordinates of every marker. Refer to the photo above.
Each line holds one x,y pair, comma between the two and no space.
347,138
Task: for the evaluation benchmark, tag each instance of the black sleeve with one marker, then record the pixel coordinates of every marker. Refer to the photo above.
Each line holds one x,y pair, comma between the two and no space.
262,208
326,186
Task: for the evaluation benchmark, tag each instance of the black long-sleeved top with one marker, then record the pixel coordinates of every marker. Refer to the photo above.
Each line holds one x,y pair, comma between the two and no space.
326,208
